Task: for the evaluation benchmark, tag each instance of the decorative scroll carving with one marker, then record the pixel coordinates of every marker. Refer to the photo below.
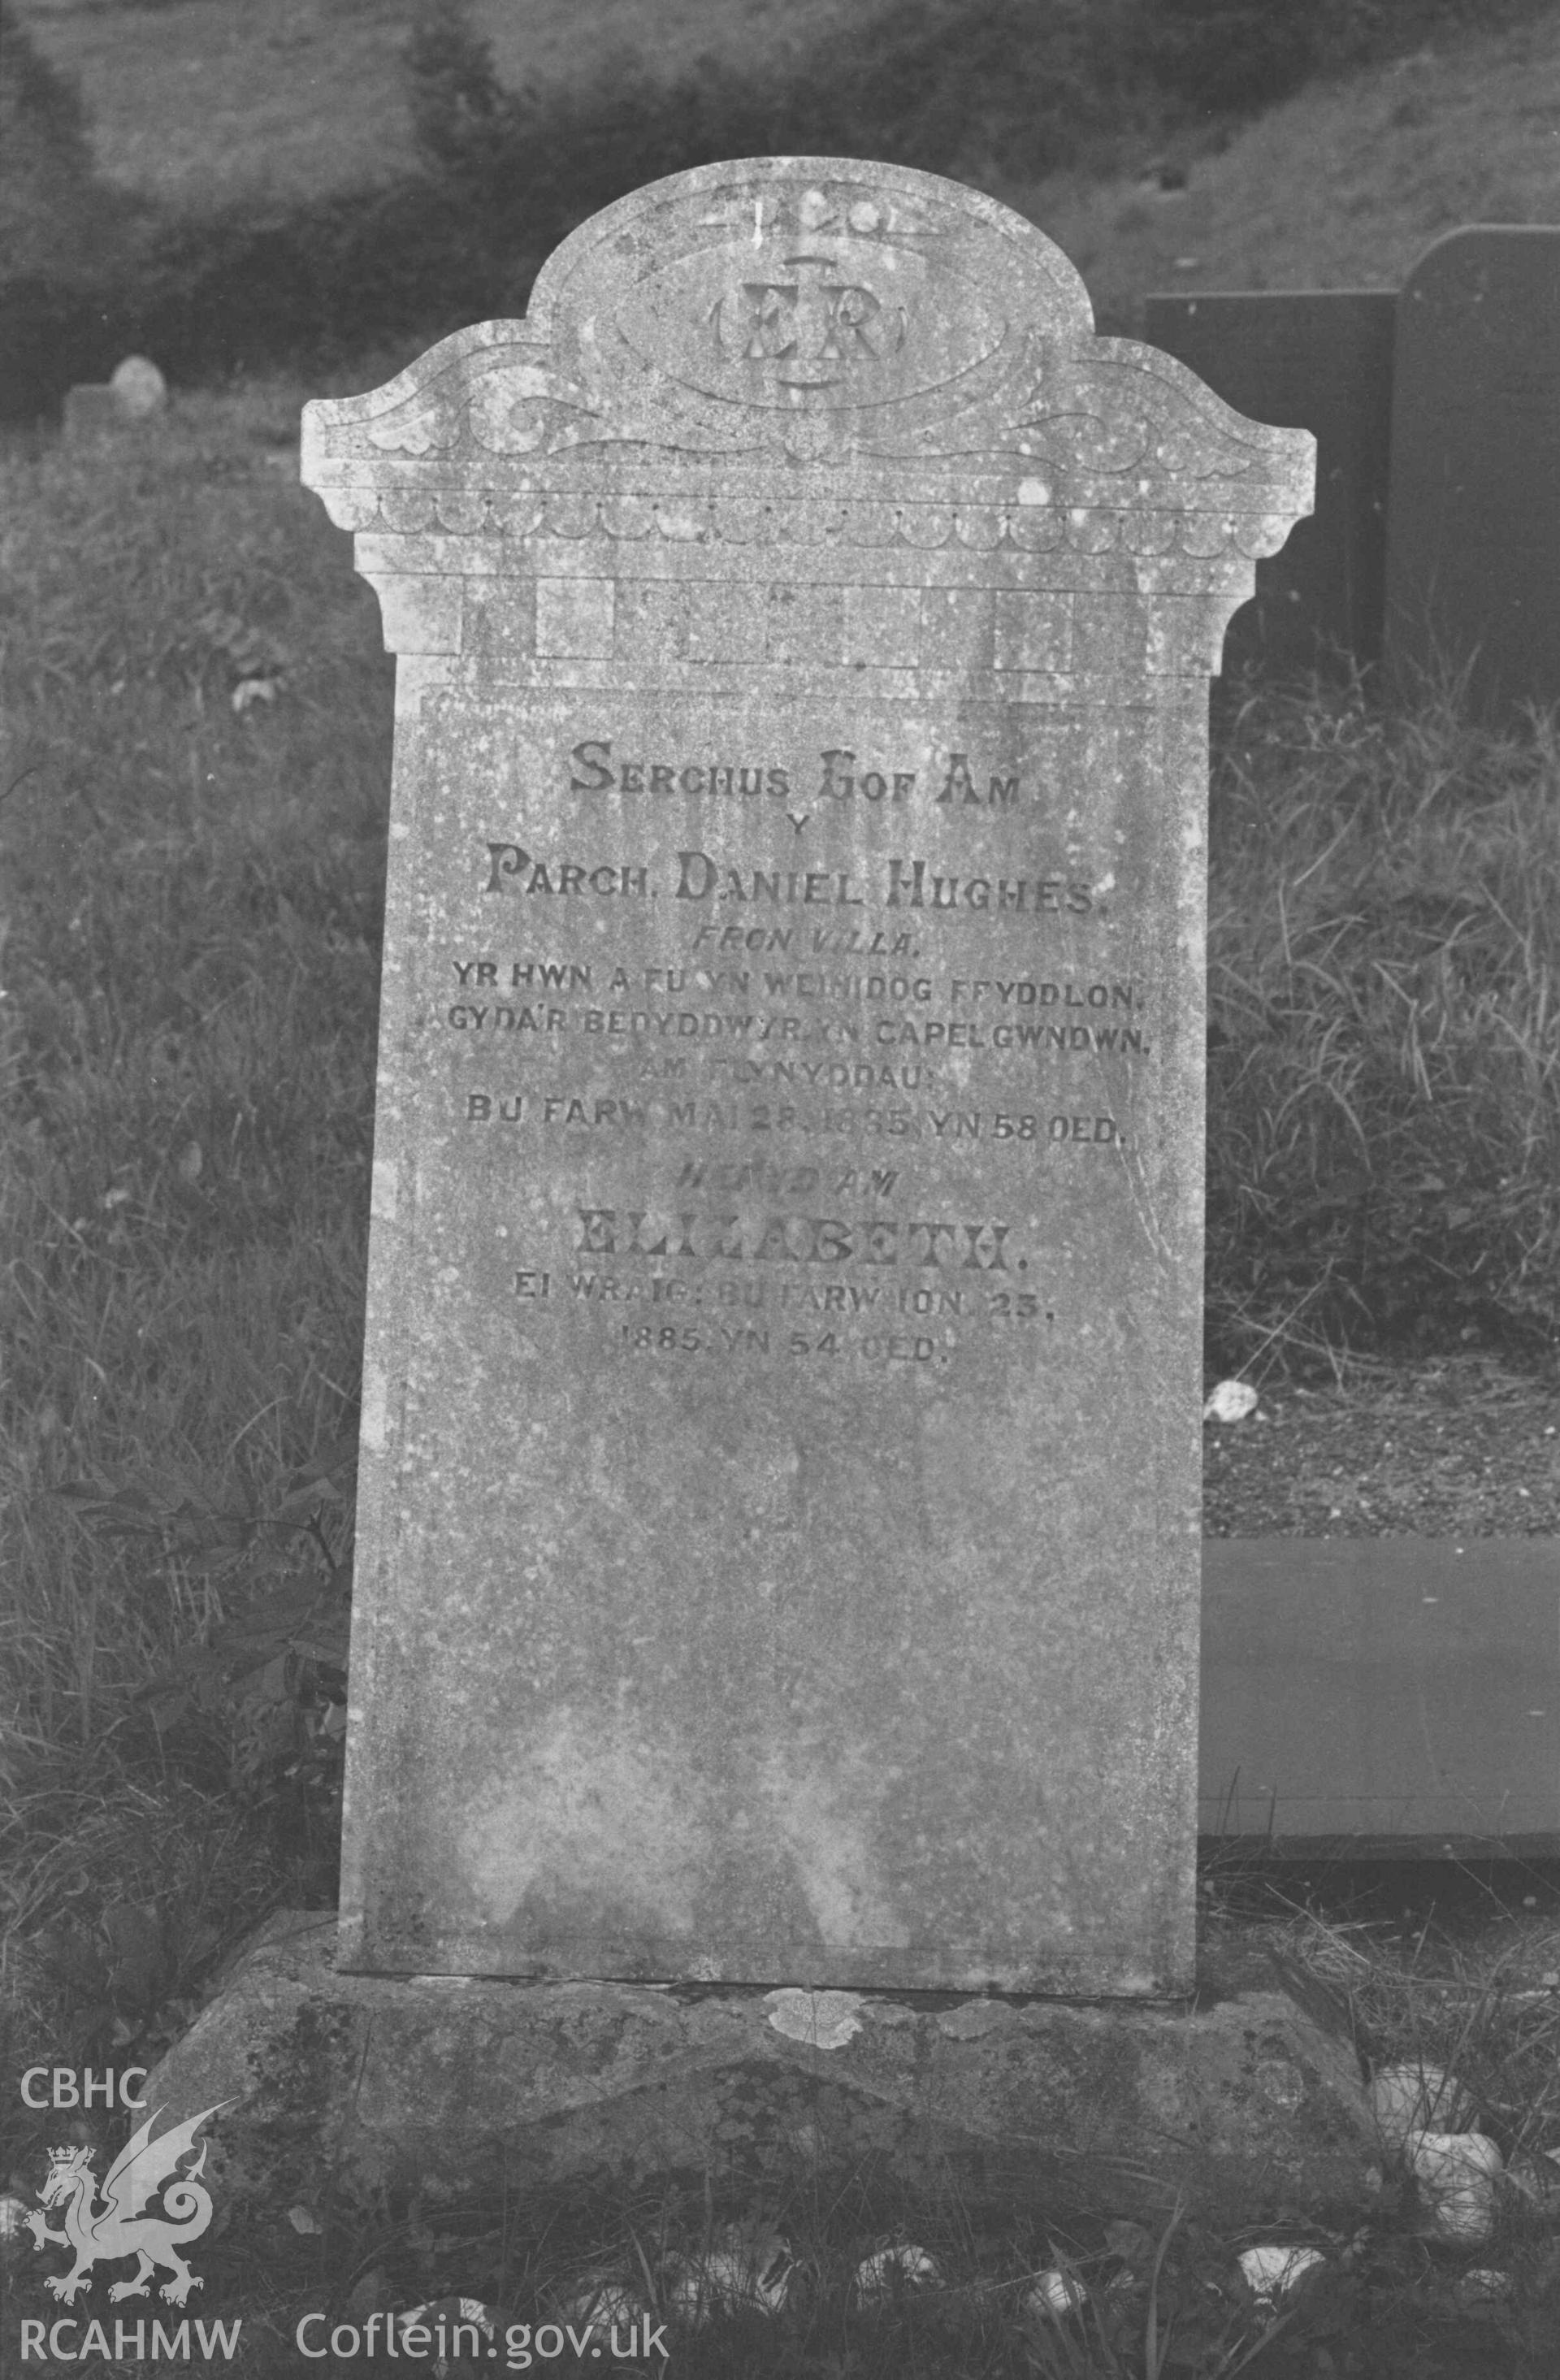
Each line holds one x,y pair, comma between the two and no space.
853,369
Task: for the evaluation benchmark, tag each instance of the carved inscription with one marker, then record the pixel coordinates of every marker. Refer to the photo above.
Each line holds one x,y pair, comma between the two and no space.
813,327
722,1045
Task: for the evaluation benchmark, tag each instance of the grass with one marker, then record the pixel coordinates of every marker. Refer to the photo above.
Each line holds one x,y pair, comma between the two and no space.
192,900
194,778
1384,1050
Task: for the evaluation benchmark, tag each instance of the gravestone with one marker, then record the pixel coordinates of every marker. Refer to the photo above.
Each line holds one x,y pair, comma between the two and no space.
1391,1693
1320,360
779,1513
140,388
135,391
91,409
1473,512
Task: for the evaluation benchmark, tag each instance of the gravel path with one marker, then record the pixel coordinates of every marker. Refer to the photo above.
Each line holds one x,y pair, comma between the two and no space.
1447,1446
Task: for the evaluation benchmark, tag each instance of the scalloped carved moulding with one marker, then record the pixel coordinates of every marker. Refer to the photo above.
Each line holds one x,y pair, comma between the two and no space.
813,395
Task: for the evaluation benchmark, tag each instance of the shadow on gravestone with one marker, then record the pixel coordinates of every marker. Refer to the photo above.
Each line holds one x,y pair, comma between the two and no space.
1473,516
779,1525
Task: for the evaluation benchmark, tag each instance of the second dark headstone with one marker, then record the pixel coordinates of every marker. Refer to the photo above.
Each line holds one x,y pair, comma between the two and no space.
1473,514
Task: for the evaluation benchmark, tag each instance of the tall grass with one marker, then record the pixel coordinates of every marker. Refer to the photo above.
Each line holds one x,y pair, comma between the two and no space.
1383,1146
191,905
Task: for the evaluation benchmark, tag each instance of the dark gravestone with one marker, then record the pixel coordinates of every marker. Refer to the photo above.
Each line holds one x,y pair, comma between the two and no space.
1320,360
779,1552
1388,1690
1473,515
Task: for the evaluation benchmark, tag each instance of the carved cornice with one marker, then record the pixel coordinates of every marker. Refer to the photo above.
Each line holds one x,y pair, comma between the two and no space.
786,365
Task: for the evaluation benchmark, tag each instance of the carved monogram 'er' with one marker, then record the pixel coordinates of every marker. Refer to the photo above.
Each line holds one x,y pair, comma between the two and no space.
779,1533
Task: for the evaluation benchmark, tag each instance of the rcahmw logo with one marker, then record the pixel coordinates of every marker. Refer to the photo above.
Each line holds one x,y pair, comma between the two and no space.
127,2222
57,2341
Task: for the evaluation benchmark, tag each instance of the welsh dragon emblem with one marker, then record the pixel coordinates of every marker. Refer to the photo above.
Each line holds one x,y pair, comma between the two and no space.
123,2225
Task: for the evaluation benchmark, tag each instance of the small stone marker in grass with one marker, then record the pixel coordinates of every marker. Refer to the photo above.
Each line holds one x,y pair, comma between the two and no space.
1473,511
136,392
778,1532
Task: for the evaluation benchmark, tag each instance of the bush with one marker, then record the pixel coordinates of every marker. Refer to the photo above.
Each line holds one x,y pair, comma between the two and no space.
245,288
1231,56
1224,54
506,174
48,194
64,237
933,84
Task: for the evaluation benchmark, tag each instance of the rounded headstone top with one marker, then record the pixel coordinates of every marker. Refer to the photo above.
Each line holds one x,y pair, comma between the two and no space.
813,315
139,389
808,285
1464,262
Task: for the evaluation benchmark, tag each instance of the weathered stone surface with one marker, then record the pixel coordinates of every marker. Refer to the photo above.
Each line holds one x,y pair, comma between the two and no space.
139,389
392,2092
91,409
778,1515
1474,512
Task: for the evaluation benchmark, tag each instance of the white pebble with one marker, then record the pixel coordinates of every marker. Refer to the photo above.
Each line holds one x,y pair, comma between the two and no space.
1485,2284
1056,2292
1272,2273
1458,2174
907,2267
1231,1401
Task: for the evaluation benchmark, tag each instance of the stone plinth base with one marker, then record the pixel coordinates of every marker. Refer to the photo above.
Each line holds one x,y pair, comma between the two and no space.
391,2096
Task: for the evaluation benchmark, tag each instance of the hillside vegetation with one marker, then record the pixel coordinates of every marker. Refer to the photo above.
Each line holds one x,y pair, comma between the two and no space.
195,99
290,178
1340,187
